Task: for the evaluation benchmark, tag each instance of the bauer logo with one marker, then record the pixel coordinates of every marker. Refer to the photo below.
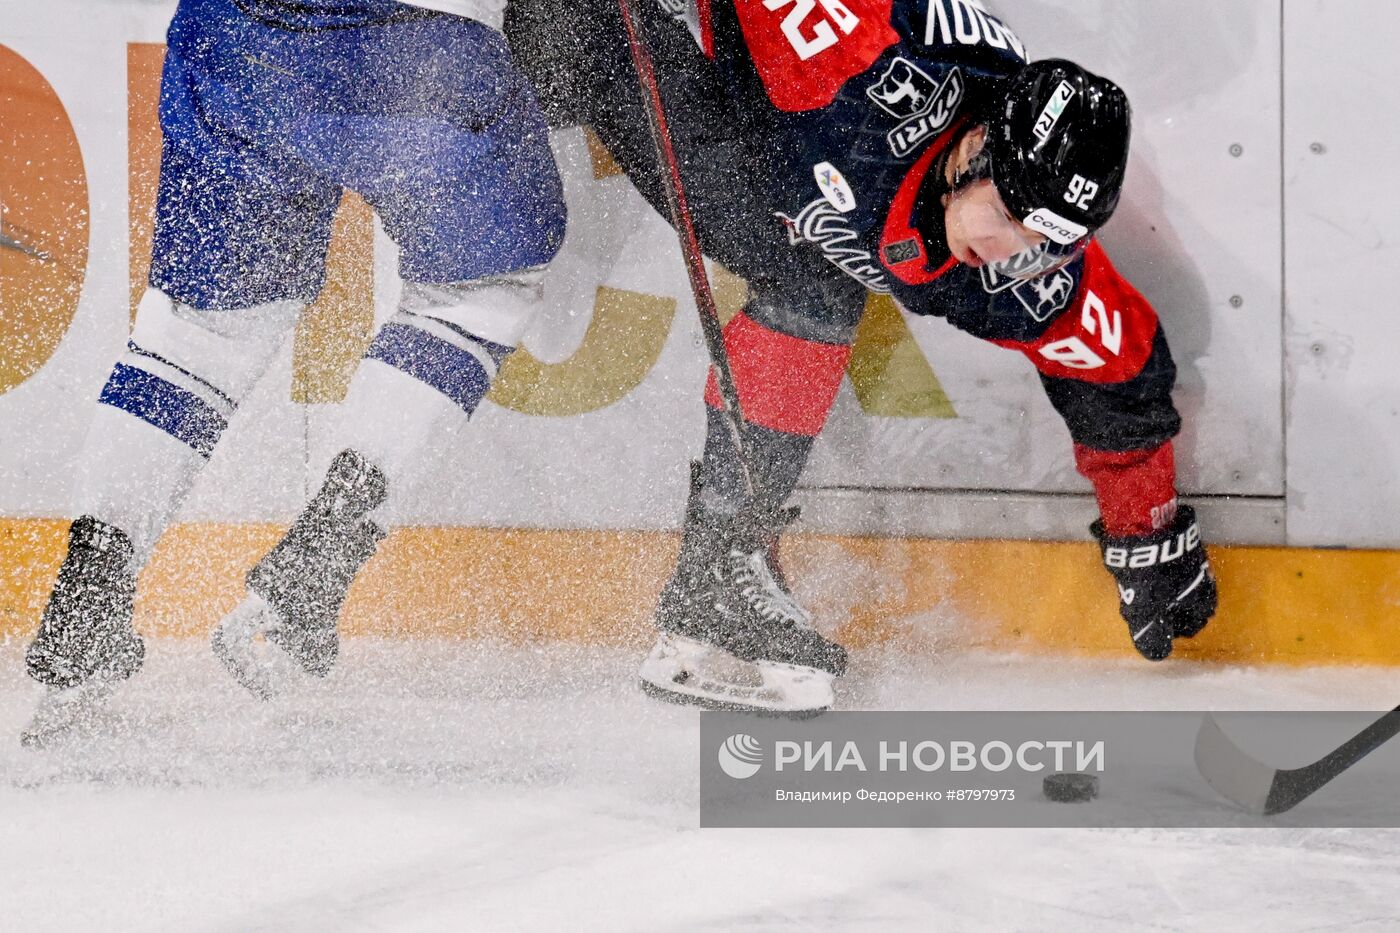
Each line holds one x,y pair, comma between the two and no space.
1151,555
741,756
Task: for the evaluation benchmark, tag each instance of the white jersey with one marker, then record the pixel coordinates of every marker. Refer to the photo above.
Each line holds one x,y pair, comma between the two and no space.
488,12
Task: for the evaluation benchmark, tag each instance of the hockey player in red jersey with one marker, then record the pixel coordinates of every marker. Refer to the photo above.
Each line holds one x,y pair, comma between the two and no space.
832,148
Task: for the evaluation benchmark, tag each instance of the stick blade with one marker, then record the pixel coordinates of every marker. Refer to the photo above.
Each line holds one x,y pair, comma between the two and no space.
1233,774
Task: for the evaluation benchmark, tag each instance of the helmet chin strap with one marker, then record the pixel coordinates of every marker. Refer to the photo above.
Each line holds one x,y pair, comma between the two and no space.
979,167
1032,264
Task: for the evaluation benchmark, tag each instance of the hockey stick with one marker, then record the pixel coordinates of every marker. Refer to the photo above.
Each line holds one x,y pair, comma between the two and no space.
684,223
1266,791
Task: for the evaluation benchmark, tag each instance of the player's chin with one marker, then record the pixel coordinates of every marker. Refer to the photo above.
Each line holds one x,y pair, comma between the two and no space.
968,257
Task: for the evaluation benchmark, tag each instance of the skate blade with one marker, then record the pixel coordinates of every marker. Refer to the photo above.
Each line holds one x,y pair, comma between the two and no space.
64,711
241,645
684,671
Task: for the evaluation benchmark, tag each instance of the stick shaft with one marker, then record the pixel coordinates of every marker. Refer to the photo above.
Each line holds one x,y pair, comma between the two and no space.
683,221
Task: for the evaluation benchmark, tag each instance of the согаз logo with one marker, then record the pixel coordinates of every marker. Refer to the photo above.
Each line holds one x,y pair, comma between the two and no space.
740,756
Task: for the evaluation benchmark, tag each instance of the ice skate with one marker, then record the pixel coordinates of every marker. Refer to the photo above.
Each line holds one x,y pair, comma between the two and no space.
683,670
86,643
731,635
64,711
242,644
295,593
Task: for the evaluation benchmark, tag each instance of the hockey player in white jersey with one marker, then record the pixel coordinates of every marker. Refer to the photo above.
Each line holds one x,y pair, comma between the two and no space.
271,109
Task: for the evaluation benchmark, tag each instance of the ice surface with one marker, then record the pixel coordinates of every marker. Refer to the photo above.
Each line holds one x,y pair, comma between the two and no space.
480,786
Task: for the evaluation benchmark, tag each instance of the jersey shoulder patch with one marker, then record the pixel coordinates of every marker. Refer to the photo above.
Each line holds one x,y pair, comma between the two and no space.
1006,311
1041,298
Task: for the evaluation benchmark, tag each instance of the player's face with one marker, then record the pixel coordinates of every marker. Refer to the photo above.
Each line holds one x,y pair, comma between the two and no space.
980,229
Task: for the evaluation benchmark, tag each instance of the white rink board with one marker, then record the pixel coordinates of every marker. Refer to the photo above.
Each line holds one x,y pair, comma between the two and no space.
1343,274
1197,226
1200,225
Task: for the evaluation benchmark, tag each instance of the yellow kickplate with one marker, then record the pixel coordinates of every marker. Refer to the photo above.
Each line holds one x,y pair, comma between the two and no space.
1278,605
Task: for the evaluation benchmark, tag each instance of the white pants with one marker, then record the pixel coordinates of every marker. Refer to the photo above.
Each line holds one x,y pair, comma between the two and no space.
185,372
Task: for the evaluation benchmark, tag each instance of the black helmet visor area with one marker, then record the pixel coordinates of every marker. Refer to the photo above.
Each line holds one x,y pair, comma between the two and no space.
1059,149
1043,254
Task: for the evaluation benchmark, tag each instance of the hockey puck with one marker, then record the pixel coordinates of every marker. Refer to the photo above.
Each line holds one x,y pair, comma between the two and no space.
1071,787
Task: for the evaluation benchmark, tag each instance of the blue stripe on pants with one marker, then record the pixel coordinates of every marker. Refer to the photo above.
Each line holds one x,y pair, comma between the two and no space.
176,411
454,372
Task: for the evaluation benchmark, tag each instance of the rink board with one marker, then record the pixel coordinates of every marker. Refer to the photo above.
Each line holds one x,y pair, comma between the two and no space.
1278,606
1274,290
1261,249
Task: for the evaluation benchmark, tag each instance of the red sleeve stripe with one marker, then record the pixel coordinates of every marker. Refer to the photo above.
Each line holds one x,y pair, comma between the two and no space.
1136,489
785,383
707,27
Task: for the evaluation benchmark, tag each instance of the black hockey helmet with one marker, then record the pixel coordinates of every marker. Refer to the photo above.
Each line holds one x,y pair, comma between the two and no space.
1058,149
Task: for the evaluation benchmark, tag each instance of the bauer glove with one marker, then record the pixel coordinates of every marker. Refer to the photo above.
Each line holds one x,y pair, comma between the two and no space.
1166,588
